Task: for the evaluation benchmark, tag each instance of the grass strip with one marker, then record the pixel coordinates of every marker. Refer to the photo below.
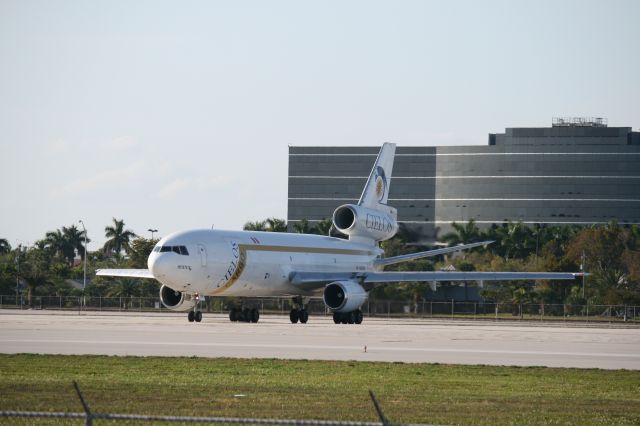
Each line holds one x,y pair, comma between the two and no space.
408,393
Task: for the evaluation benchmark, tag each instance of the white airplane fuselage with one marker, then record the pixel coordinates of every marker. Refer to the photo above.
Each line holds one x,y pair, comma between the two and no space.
243,263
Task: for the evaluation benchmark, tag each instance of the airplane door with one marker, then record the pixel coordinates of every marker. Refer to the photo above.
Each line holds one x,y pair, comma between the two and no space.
203,255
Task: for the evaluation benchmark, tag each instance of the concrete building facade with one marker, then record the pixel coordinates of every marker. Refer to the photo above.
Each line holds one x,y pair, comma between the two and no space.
579,171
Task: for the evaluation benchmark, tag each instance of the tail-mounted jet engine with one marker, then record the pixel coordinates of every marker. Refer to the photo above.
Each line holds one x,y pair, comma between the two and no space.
358,221
176,300
344,296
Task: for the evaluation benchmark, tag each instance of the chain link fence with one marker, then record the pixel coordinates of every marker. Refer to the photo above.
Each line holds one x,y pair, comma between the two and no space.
89,417
372,308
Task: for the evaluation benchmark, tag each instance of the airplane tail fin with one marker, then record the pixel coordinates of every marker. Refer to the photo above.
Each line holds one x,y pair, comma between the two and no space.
376,191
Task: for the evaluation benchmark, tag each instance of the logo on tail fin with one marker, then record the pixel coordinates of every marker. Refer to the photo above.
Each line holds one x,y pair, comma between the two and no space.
381,183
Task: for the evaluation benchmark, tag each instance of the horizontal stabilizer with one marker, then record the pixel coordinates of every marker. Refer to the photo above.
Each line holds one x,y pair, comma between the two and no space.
131,273
429,253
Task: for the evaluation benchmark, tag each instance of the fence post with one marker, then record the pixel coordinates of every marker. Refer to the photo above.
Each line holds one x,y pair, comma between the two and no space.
85,406
587,312
475,309
452,307
496,311
388,308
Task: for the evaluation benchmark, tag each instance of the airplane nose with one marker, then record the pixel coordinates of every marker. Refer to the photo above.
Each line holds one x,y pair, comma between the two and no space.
160,265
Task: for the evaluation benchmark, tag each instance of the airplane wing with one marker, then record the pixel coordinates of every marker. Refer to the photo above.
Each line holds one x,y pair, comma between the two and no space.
429,253
317,279
132,273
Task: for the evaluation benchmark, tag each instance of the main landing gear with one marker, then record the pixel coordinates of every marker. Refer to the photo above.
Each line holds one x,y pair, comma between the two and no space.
301,315
244,315
299,311
353,317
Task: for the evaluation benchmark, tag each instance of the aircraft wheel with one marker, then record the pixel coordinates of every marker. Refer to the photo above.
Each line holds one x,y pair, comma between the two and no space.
304,316
198,316
344,318
255,315
359,317
191,316
351,317
336,317
246,315
293,316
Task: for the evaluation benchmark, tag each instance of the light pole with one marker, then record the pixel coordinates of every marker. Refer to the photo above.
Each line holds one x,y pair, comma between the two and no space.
18,273
152,231
84,280
583,268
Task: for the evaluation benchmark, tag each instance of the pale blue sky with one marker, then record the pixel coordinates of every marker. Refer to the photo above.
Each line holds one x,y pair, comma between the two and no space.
178,114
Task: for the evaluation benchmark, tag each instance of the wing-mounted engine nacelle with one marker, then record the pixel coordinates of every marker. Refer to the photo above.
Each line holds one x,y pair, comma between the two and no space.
358,221
344,296
176,300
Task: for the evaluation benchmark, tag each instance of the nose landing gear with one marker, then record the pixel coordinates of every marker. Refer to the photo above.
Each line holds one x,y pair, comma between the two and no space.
195,314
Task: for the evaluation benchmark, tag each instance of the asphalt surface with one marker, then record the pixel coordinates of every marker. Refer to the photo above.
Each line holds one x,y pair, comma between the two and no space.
402,340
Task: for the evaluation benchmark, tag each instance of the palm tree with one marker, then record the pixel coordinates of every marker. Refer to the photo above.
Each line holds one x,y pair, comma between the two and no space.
75,238
119,238
125,289
323,227
35,272
276,225
60,245
302,227
462,234
258,225
5,247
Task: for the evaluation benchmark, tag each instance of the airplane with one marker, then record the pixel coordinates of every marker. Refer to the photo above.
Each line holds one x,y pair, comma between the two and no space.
211,262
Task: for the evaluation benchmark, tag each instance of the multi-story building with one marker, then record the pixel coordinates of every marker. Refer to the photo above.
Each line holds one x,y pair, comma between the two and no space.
579,171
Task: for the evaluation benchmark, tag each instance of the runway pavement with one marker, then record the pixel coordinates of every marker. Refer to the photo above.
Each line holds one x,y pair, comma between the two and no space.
405,340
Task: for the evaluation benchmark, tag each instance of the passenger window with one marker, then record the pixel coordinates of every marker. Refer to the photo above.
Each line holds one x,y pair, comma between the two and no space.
184,251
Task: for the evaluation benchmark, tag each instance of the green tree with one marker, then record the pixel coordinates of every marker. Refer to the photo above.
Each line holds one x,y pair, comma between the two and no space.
57,242
463,233
323,227
5,247
75,239
302,227
609,253
35,272
258,225
118,237
125,288
276,225
139,250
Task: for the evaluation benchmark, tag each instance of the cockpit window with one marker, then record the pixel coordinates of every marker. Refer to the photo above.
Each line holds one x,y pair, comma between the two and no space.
156,249
181,250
